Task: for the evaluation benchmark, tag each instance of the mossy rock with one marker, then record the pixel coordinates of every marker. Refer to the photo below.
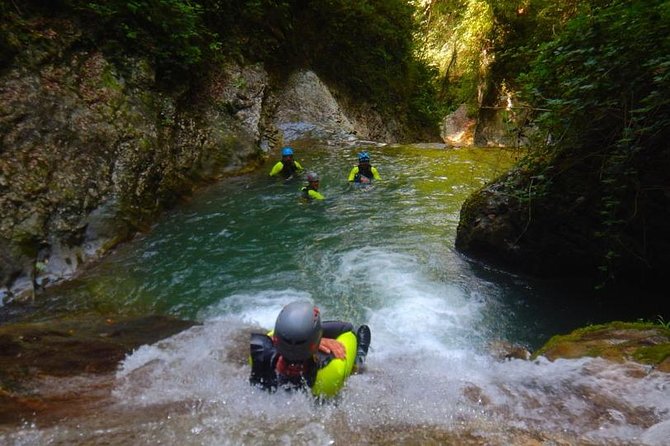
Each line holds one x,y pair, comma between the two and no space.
643,342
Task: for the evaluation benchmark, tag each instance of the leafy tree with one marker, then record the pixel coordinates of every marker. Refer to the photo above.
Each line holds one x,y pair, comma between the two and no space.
170,31
458,42
604,80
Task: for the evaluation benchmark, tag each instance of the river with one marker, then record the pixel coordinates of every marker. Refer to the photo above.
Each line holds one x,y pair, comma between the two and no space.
237,252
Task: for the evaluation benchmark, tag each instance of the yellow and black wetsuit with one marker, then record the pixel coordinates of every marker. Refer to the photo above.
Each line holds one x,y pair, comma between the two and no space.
363,170
311,194
287,168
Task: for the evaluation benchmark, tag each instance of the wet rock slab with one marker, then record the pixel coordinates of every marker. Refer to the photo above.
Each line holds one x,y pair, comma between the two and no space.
46,366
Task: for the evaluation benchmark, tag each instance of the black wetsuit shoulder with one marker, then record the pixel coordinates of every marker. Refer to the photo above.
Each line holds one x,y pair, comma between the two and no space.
263,361
333,329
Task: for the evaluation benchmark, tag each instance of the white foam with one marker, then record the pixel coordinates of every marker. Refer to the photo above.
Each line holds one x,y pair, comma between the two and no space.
443,387
260,308
414,312
424,368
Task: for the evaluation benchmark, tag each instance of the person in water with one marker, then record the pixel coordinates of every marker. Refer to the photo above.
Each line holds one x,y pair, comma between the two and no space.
287,168
311,191
364,173
300,345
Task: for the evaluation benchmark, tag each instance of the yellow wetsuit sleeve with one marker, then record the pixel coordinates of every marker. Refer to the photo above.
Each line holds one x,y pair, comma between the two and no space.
299,166
315,195
276,169
353,173
375,174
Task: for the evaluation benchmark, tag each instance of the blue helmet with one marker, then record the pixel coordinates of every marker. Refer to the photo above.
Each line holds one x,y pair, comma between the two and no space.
363,156
286,151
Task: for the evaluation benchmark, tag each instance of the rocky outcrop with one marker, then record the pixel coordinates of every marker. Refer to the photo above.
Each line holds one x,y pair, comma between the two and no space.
457,128
512,223
91,151
308,108
557,218
645,343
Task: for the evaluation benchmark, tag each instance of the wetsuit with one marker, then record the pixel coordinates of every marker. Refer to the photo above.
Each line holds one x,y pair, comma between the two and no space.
363,173
287,168
269,370
311,194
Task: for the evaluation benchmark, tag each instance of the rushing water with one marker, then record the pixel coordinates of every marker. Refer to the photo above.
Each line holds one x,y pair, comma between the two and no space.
240,250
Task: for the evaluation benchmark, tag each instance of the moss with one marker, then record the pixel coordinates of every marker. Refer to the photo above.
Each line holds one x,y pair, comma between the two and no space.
652,355
110,80
644,342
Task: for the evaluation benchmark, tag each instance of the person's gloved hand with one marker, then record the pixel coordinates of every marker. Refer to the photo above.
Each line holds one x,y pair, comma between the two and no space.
333,346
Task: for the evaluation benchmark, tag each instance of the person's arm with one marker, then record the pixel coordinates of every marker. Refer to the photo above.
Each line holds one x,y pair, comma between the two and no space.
333,347
277,168
315,195
331,330
352,174
298,167
375,174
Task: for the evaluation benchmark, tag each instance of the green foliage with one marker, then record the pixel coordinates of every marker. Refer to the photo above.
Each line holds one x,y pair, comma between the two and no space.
169,31
254,29
365,47
457,37
15,33
604,80
663,323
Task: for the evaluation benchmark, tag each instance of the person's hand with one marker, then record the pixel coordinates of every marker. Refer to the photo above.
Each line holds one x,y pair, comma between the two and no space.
333,346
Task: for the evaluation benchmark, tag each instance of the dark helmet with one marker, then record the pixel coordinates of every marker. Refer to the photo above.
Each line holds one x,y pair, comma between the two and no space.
312,177
363,157
286,151
298,331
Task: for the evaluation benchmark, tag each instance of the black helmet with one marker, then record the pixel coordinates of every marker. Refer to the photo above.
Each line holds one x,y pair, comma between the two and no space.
298,331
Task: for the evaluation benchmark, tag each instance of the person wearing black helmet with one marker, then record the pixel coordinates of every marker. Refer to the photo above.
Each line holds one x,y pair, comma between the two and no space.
299,346
363,173
311,191
287,167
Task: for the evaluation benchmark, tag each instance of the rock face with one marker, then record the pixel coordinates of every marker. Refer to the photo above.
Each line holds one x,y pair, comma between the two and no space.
457,128
552,220
91,151
506,225
307,108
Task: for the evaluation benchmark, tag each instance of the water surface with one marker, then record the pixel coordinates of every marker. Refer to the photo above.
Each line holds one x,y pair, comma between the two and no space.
241,249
